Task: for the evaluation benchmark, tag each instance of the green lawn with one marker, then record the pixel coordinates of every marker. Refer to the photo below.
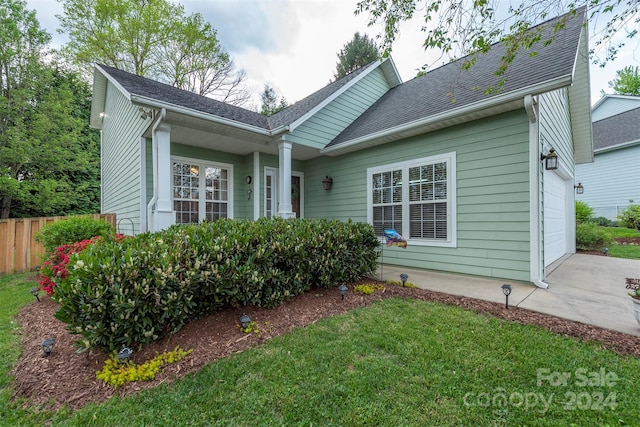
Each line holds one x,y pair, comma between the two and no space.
399,362
623,251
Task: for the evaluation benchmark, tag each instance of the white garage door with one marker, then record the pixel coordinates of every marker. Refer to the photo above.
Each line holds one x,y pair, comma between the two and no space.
555,217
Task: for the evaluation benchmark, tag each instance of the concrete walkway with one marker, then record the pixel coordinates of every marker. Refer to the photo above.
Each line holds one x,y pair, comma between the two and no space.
585,288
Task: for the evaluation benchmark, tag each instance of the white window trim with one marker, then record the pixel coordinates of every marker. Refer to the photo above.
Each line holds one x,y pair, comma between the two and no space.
204,164
452,223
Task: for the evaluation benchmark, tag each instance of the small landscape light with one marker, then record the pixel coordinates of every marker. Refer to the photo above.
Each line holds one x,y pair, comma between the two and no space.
403,278
47,345
245,321
34,292
343,290
506,290
605,251
124,355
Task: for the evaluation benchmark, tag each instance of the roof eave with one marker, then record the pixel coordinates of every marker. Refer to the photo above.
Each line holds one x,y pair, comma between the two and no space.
150,102
617,146
482,107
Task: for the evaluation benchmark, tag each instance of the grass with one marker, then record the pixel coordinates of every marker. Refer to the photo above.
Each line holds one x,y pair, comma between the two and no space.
399,362
623,251
14,293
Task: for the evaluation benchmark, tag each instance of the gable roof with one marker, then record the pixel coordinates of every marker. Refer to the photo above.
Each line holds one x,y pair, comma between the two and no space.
153,93
612,104
442,96
614,131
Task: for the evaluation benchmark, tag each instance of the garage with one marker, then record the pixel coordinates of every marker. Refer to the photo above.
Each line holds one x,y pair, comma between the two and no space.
555,217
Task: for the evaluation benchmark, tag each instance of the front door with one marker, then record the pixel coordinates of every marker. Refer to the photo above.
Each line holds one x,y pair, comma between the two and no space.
271,198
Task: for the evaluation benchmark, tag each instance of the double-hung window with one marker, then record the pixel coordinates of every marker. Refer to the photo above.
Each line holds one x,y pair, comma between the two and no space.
416,198
201,191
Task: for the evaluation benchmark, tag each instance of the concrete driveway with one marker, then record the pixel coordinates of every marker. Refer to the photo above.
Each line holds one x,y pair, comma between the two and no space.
585,288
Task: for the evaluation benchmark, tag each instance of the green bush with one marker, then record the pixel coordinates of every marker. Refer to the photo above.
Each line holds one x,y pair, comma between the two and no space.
584,213
147,287
630,217
591,237
605,222
71,230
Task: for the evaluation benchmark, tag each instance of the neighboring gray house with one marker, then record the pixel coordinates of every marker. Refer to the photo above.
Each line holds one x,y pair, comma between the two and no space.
458,172
612,182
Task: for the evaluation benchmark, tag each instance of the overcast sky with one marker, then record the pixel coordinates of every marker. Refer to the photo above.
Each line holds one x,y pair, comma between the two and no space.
292,44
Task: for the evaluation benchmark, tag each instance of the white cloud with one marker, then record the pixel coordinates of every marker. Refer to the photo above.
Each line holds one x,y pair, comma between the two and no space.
292,44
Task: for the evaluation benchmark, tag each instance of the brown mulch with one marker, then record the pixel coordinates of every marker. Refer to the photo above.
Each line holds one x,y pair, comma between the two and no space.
67,378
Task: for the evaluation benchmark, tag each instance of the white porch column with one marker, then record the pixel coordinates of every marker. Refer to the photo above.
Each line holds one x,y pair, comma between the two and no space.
284,182
164,215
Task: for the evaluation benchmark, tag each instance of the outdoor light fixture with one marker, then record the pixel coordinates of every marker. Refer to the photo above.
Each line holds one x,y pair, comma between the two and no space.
34,292
249,191
403,278
579,188
327,182
145,113
245,321
550,160
124,354
605,251
47,346
506,290
343,290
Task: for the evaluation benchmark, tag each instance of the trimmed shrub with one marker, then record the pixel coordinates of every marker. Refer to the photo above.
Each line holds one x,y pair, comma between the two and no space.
630,217
605,222
584,213
147,287
591,237
70,231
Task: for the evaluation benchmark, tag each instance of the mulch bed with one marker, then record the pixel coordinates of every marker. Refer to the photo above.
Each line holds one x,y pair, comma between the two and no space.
67,378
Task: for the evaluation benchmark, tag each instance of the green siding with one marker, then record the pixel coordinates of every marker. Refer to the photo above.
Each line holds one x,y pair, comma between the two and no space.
121,158
555,125
492,195
242,166
327,123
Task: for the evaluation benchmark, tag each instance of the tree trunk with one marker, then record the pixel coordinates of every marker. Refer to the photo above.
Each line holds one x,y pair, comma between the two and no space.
5,207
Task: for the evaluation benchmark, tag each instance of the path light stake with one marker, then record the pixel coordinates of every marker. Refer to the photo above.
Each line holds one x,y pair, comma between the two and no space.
34,292
124,355
403,278
47,346
245,321
343,290
605,251
506,290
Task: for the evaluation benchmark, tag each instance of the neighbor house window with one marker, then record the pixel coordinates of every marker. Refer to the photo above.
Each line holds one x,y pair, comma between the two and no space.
416,198
201,191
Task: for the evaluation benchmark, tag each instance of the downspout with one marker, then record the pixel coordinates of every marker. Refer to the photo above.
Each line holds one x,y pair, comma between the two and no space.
154,156
530,107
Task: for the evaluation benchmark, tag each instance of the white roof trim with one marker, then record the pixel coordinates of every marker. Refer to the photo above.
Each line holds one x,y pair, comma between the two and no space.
617,146
202,115
519,94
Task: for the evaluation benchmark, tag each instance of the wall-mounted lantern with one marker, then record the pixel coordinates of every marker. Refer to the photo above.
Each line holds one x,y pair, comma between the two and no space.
579,188
327,182
550,160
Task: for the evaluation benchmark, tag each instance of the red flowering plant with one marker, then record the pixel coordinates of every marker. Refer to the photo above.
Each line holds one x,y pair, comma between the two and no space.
56,265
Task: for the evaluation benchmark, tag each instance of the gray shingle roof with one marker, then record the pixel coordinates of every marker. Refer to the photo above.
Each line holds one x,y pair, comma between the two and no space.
141,86
152,89
618,129
449,87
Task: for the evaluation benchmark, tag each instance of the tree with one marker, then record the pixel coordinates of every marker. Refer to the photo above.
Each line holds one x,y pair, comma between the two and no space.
627,81
155,39
48,157
271,102
457,28
360,51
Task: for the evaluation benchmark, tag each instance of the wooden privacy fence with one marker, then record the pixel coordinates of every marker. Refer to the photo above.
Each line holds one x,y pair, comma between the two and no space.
19,252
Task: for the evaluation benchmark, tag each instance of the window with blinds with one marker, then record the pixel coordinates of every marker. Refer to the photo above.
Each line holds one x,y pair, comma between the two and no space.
414,198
